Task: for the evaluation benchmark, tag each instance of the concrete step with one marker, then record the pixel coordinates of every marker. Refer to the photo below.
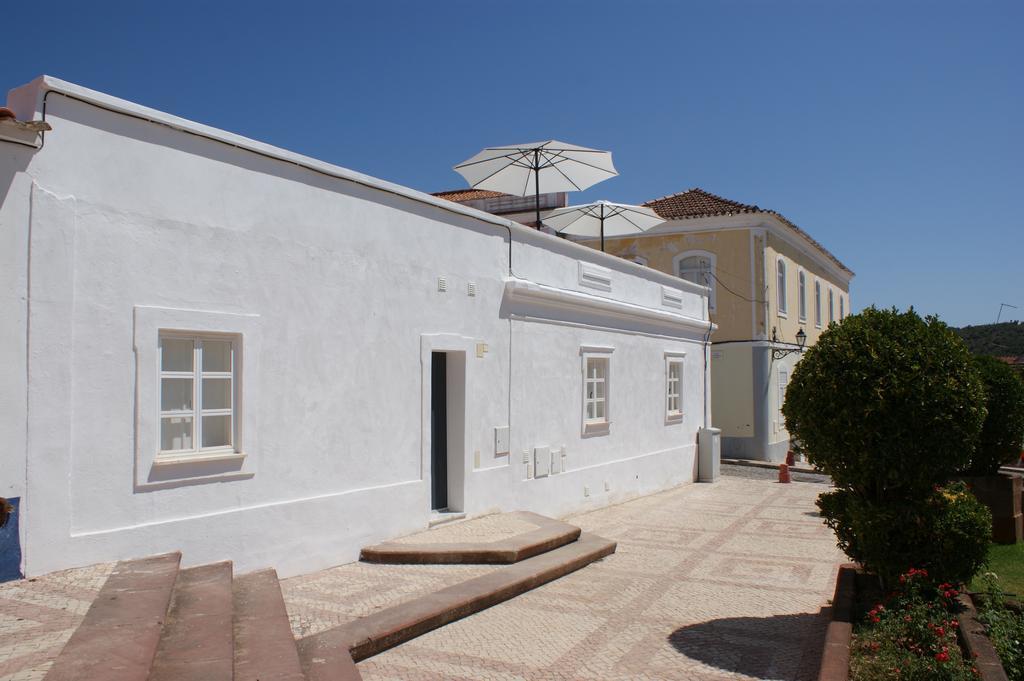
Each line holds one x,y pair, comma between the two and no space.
264,646
367,636
197,642
118,637
549,535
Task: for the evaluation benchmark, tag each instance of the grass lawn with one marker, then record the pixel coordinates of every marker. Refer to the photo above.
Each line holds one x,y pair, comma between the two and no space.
1007,561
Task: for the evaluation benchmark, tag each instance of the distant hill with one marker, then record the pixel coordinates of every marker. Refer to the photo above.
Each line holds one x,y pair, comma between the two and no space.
1006,338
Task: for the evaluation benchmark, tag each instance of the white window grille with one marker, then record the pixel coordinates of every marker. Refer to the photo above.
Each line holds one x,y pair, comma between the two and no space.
783,382
780,267
596,389
817,304
802,280
698,267
673,387
198,403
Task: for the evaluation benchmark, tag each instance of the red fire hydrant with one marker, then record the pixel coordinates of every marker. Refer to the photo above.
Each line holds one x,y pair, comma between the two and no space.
783,473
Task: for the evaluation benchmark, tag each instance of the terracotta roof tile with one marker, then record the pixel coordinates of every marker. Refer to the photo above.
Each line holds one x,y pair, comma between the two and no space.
468,194
697,203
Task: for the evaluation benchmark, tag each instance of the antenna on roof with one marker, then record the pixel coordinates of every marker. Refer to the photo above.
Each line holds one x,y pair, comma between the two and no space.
1001,306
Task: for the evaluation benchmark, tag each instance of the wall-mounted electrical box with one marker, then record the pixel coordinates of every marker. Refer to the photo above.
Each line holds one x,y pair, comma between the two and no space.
501,440
541,461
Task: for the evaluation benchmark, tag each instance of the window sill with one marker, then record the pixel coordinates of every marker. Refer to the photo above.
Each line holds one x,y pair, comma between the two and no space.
672,418
783,314
596,428
201,457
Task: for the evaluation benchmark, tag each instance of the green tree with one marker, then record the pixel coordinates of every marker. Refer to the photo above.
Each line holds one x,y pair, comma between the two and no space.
889,404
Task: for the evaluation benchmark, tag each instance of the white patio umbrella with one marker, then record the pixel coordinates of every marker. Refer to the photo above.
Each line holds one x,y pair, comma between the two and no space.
603,218
518,168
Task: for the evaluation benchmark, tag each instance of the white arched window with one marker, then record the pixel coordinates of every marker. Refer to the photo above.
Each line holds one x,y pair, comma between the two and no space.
698,267
817,303
842,308
802,303
831,308
780,269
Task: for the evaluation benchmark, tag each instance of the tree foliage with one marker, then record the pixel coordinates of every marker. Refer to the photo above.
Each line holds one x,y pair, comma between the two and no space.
887,403
1002,434
890,405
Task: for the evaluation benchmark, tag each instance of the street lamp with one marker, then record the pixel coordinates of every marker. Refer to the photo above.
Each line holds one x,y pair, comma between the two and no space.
779,353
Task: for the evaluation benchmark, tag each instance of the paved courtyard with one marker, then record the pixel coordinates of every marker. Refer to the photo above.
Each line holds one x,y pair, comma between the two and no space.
722,581
709,582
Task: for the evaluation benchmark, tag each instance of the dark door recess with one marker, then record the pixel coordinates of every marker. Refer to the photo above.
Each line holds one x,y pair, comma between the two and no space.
438,432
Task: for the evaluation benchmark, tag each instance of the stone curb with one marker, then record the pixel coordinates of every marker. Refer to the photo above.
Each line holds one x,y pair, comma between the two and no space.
835,655
550,534
978,645
392,626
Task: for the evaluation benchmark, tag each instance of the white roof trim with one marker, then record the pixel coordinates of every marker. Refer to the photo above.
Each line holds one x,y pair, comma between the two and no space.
36,91
525,291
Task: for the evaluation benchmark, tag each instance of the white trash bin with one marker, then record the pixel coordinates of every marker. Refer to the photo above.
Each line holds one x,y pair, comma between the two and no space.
709,454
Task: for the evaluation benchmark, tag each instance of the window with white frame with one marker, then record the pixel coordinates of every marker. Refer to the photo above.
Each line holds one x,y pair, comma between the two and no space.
817,303
831,307
596,385
842,308
198,404
673,387
780,270
698,267
783,383
802,303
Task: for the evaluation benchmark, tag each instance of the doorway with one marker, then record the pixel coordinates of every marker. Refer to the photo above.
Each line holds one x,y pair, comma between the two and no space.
438,431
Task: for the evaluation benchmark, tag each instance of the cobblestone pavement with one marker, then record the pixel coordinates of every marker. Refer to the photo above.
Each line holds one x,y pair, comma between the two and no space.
38,616
326,599
710,582
757,473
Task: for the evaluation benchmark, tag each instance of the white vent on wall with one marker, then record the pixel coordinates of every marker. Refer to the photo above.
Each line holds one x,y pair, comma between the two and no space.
541,461
471,289
595,276
671,297
442,284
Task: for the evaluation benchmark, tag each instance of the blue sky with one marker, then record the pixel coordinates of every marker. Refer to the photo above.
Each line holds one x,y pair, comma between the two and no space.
892,131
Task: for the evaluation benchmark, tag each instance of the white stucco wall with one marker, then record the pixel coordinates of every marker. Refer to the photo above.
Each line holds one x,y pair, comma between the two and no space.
140,221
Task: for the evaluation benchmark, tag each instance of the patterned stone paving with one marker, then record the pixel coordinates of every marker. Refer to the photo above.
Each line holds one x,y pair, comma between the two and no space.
326,599
710,582
38,616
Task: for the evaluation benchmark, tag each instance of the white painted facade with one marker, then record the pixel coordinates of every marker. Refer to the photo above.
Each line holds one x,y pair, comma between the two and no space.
128,223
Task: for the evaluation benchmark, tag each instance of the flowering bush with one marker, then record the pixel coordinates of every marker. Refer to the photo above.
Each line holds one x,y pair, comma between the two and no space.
912,635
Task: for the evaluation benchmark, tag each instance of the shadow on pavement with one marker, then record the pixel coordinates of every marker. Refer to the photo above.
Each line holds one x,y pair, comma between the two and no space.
779,647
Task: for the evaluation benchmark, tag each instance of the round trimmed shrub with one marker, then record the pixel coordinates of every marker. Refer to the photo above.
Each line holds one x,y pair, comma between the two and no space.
946,533
1002,434
887,403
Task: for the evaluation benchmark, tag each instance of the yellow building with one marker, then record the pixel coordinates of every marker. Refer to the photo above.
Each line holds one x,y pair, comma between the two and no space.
769,282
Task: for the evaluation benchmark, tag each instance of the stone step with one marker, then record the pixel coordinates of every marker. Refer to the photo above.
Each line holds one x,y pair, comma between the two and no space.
264,646
549,535
197,642
118,637
324,652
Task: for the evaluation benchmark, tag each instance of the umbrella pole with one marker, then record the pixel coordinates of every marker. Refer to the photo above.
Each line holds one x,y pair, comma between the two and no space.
536,184
602,228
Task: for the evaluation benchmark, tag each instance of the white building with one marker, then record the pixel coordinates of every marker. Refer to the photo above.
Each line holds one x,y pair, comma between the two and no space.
214,345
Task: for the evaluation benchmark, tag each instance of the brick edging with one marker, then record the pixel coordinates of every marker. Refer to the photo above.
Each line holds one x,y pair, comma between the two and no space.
835,654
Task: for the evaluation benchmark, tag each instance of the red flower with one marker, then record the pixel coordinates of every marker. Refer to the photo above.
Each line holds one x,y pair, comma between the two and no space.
942,657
